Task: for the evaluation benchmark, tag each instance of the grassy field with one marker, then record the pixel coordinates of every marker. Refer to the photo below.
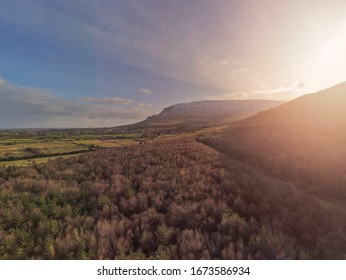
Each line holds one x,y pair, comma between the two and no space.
108,143
23,151
18,149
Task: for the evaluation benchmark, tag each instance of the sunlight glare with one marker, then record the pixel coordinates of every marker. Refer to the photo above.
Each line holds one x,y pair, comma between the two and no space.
330,68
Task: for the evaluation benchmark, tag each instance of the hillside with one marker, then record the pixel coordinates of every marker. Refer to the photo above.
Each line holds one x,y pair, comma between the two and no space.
207,112
322,110
303,141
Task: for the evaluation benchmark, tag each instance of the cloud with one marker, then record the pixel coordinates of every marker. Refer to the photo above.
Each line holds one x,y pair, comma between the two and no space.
2,82
300,85
103,112
178,41
108,100
171,49
22,107
145,91
280,93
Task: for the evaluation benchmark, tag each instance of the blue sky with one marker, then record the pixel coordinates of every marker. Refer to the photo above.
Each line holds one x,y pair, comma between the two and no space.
86,63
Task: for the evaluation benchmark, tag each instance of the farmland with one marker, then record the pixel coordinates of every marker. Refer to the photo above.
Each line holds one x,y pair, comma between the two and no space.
24,147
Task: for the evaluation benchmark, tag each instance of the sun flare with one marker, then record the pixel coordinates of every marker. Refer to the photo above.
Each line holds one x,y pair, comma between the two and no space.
330,66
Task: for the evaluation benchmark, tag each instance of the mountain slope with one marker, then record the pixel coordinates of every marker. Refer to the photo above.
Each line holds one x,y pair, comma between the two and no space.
322,110
207,112
303,141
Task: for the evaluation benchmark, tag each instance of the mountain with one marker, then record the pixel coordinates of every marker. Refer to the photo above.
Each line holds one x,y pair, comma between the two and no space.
207,112
302,141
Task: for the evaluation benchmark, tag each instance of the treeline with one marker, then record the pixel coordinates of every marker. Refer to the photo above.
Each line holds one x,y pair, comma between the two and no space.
50,134
168,200
44,155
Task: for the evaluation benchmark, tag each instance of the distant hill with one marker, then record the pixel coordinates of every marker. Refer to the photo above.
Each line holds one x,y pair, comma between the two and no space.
303,141
207,112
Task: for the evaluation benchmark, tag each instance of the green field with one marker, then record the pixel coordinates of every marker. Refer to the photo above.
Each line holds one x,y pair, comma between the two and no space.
108,143
17,149
21,149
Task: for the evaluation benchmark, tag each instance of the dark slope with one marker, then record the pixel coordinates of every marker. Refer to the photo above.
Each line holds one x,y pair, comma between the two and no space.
303,141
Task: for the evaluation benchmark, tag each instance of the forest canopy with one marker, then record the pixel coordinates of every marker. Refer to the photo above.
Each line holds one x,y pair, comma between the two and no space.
171,200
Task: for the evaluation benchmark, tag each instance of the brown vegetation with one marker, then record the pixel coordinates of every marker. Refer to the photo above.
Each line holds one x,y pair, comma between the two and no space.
169,200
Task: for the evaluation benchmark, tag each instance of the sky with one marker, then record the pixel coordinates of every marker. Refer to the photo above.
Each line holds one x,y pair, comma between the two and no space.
97,63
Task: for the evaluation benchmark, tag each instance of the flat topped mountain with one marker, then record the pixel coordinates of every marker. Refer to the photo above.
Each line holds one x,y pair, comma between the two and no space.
212,107
208,112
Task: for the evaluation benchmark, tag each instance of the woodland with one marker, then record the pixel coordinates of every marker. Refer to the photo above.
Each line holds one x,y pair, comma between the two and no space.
177,199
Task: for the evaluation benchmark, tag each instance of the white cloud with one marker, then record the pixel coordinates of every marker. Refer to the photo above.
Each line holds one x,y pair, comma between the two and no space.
145,91
280,93
35,107
2,82
191,47
159,49
109,100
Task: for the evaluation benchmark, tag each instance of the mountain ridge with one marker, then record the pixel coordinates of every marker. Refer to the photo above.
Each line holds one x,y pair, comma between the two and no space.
320,110
207,112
